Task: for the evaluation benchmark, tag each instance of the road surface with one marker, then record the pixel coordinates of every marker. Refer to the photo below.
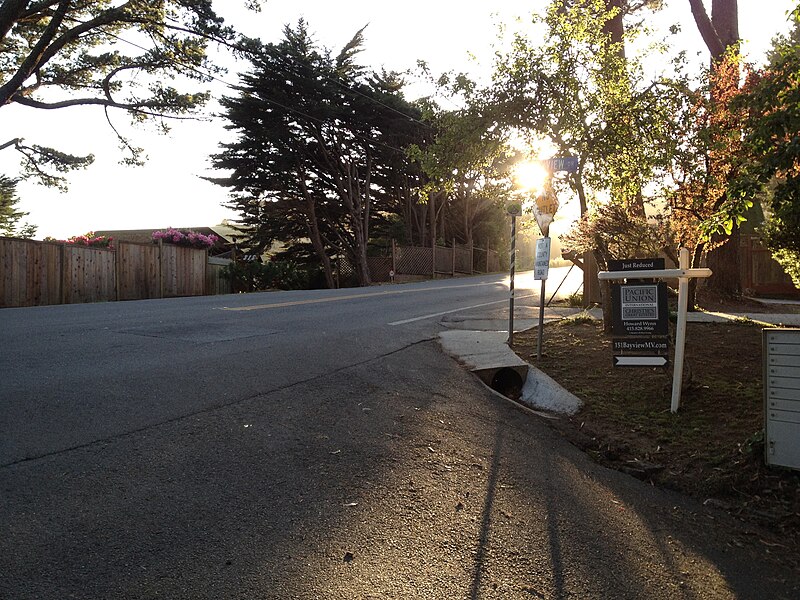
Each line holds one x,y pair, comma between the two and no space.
317,445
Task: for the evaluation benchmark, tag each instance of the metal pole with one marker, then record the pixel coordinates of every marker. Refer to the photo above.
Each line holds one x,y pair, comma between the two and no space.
541,323
541,318
511,285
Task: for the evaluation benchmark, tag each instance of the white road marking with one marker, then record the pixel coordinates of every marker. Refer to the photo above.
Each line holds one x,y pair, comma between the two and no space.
355,296
455,310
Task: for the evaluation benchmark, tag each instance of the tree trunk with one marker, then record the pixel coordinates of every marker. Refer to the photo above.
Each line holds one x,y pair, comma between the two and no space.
316,242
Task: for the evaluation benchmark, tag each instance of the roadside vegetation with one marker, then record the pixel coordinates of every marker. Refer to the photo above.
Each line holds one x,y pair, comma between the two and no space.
331,158
712,449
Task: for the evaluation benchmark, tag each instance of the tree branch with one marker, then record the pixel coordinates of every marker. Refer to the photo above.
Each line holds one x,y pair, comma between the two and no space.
10,11
140,107
35,58
706,29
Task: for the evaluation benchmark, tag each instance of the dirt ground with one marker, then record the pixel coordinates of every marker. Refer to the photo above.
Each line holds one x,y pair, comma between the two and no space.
712,449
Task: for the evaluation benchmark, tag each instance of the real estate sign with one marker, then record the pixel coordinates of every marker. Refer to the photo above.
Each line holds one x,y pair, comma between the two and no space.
640,316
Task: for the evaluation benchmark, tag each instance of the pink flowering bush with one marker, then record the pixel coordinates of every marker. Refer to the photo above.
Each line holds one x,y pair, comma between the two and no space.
192,239
89,239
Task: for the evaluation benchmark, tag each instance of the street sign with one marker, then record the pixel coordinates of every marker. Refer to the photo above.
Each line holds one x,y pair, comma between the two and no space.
545,207
565,163
541,266
640,361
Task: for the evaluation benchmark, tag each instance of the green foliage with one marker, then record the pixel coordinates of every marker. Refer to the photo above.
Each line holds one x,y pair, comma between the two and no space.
255,276
116,55
578,90
10,217
771,99
582,318
790,261
319,152
575,300
613,232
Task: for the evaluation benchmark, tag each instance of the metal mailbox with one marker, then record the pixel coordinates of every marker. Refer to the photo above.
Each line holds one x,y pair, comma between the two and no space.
782,397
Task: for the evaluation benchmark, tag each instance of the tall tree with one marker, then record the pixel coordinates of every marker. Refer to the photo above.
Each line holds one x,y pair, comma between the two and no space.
771,99
316,137
720,32
10,217
466,163
580,91
56,54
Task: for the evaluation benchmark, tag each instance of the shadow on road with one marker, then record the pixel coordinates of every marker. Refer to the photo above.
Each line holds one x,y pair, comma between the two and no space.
399,478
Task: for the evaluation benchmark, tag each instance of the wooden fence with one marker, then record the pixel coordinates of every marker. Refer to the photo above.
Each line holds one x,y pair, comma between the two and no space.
760,273
416,261
37,273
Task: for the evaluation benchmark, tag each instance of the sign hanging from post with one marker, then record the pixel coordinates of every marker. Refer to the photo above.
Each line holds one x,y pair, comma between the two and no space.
565,163
541,265
545,207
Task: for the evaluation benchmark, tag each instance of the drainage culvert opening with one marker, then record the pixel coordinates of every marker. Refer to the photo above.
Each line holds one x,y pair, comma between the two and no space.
508,382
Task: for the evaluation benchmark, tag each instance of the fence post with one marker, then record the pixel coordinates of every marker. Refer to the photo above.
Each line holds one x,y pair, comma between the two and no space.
63,273
394,258
453,268
116,271
487,258
471,257
160,268
205,276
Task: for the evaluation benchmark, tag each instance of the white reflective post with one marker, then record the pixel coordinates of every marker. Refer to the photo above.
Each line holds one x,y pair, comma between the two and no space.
680,331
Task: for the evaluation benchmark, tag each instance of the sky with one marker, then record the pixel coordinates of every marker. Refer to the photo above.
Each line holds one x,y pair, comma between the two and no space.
168,191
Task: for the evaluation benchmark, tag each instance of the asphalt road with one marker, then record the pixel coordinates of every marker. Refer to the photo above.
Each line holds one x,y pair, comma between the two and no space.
317,445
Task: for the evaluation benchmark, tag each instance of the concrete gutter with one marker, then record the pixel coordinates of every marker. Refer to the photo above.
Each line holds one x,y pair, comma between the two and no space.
486,353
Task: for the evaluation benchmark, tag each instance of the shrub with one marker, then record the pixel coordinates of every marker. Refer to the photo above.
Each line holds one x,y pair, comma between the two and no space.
89,239
256,276
191,239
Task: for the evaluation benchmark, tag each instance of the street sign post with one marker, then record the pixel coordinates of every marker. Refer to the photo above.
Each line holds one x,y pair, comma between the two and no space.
544,210
514,209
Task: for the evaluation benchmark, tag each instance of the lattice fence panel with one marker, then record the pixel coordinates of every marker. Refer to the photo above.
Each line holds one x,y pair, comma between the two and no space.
413,260
379,267
444,260
345,272
463,260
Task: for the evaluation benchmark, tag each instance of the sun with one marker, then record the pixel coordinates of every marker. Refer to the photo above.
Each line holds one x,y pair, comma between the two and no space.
530,176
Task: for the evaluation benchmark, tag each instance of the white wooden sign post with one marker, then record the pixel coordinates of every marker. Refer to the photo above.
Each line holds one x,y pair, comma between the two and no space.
683,274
